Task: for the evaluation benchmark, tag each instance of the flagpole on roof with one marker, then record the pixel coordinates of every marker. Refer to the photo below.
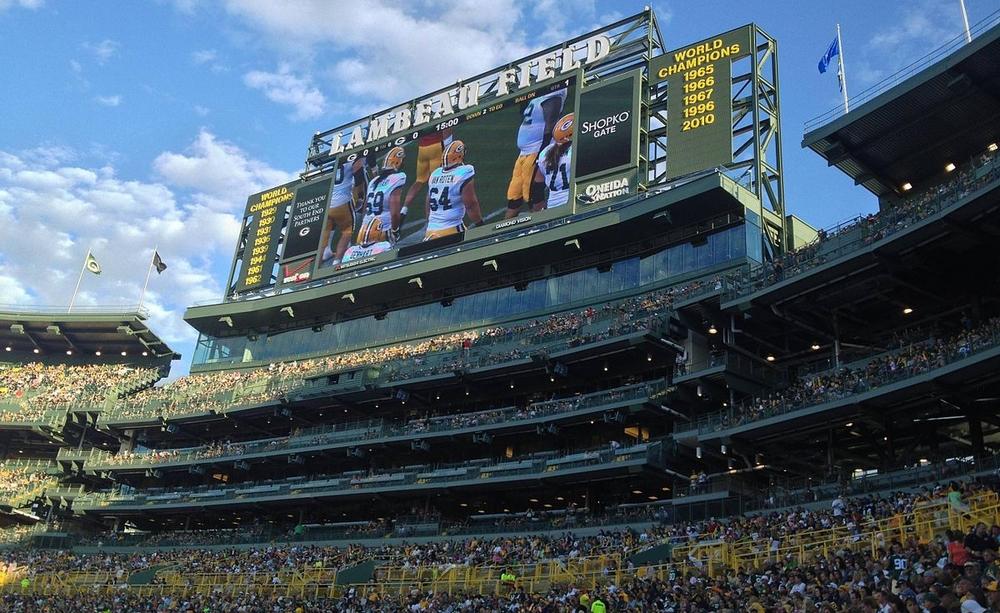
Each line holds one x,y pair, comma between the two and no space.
843,75
78,281
965,19
149,271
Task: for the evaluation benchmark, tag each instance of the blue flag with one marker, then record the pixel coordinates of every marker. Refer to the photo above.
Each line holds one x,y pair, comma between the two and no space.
824,61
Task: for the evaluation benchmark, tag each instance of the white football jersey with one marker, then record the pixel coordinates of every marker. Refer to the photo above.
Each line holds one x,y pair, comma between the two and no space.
532,131
444,196
343,185
377,198
557,178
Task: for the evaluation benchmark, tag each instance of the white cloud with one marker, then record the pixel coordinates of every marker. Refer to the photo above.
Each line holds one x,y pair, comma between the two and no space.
25,4
12,290
104,50
286,88
209,58
48,154
186,6
418,47
204,56
114,100
562,19
52,211
218,169
200,110
921,27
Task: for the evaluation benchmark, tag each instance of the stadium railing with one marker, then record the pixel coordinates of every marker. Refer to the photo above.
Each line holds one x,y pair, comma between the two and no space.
756,410
473,473
790,492
24,480
783,494
371,432
29,402
850,236
712,557
924,522
13,414
389,371
730,361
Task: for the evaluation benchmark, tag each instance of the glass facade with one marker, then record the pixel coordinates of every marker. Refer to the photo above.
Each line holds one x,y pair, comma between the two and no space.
672,264
755,237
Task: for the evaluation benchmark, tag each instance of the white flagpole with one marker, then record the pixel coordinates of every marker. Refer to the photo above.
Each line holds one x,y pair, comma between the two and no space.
843,74
965,18
149,271
78,280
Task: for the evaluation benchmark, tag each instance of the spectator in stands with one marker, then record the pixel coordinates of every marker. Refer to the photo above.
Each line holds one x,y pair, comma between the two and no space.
979,540
957,553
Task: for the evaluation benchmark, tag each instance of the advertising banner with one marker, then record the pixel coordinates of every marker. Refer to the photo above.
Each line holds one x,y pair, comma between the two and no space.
608,128
306,221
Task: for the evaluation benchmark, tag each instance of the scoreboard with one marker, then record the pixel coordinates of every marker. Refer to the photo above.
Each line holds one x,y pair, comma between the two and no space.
262,225
562,133
699,100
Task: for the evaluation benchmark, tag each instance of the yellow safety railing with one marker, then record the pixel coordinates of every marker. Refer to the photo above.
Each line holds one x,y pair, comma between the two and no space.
924,523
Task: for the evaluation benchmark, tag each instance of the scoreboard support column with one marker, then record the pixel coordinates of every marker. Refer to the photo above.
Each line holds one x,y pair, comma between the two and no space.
715,104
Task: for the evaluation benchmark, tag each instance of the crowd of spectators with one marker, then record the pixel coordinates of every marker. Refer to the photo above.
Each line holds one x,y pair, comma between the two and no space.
898,577
219,390
31,390
375,429
760,532
19,479
841,581
214,391
886,368
957,572
374,477
871,228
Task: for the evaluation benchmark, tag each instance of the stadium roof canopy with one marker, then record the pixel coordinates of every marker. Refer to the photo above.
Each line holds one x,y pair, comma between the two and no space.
84,332
944,108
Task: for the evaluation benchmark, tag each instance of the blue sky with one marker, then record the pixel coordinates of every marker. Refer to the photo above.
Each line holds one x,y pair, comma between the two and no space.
126,125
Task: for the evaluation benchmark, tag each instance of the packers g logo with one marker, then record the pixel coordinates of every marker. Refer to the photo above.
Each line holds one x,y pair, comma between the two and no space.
566,125
304,231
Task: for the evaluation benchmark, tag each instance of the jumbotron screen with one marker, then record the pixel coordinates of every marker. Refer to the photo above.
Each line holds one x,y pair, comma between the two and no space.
508,159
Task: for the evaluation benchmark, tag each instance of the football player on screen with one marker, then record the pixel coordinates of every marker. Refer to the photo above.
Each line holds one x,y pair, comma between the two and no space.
451,194
384,210
533,135
340,211
554,165
429,150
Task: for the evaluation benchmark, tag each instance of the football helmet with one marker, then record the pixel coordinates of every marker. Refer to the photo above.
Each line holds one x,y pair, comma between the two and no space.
371,232
394,159
562,133
454,154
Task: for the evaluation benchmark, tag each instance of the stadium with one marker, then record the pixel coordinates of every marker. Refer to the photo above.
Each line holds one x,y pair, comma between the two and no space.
549,340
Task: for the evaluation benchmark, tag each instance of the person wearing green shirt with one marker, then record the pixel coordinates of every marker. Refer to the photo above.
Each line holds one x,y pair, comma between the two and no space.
508,579
598,606
955,498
